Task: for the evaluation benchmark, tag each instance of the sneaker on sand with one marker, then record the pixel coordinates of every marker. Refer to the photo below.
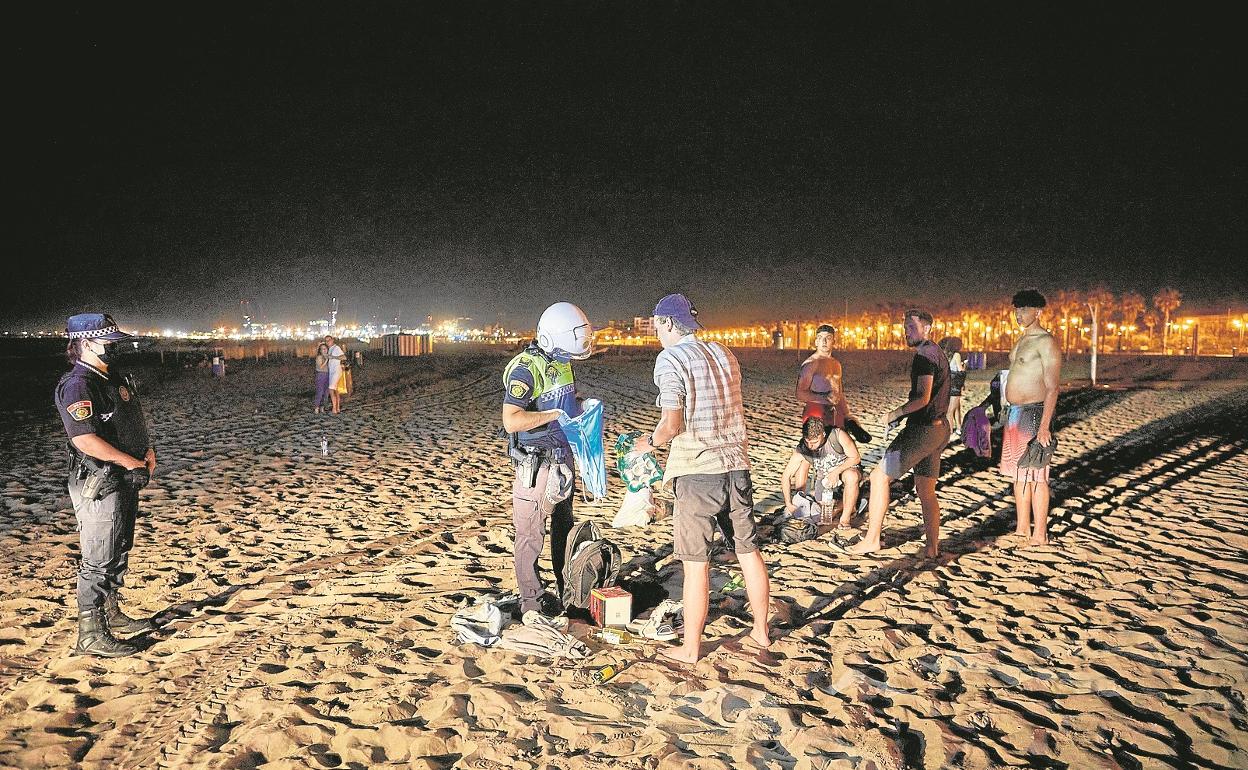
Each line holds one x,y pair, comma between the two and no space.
536,618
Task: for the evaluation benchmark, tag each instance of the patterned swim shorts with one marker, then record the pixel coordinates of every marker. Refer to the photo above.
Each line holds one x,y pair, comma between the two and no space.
1023,458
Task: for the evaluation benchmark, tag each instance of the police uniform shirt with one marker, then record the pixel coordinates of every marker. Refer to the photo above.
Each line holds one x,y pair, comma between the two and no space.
91,401
536,383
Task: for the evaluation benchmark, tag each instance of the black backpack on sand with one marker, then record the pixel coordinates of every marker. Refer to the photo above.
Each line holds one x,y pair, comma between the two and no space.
589,562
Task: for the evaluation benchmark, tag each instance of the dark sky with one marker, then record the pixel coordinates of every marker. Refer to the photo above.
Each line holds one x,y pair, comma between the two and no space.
488,159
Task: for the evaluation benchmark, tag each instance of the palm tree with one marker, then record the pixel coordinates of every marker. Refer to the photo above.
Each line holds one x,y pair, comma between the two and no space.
1167,300
1150,320
1068,304
970,319
1130,305
1004,324
1099,300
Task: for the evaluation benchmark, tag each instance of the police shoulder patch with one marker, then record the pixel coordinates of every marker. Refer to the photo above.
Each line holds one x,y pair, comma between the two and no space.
518,388
124,392
79,410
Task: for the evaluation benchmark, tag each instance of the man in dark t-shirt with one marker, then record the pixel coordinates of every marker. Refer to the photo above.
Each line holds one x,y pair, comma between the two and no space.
920,444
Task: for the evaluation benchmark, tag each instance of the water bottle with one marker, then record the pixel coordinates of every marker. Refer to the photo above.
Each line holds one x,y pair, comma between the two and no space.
826,503
324,446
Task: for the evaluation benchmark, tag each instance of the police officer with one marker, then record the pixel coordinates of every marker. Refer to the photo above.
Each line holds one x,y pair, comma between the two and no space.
538,386
111,459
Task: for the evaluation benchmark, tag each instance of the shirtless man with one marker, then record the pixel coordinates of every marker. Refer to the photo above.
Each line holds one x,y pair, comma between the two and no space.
1031,389
820,390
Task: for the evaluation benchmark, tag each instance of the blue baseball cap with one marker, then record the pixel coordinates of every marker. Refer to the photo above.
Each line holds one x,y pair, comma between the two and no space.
94,326
679,307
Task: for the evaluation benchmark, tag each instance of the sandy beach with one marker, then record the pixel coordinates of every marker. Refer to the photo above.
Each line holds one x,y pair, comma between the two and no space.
304,600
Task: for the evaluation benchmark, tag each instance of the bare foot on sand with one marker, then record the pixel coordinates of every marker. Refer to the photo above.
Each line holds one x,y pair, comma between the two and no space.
862,548
756,638
679,655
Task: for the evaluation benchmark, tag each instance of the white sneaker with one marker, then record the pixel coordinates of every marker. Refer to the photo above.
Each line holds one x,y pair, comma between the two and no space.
535,618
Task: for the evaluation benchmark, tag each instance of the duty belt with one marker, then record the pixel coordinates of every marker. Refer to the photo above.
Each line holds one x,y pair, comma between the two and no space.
99,479
521,453
542,453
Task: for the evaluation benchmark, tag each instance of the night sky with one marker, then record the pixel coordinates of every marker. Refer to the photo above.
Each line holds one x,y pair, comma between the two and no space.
485,160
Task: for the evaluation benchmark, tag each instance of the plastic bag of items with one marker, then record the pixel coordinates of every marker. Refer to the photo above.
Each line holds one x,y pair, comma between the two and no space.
639,470
584,434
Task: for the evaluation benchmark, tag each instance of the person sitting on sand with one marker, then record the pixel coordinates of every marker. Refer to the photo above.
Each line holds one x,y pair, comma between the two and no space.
833,456
819,386
708,466
1031,390
920,444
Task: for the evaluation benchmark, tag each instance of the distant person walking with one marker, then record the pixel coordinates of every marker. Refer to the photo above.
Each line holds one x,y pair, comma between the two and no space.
708,465
920,444
952,347
336,356
1031,389
322,376
111,458
346,385
821,390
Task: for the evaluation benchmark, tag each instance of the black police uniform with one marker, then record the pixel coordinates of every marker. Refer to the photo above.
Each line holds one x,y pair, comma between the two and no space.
92,401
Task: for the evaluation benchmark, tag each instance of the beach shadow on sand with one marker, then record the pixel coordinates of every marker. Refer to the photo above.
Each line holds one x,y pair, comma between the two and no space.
1071,479
1085,477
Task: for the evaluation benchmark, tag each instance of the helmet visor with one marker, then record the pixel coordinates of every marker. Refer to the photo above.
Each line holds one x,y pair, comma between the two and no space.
582,342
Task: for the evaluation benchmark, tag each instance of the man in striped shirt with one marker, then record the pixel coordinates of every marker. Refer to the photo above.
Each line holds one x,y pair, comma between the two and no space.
708,465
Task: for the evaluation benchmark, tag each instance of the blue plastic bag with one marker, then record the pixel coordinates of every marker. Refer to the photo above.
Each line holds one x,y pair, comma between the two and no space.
585,436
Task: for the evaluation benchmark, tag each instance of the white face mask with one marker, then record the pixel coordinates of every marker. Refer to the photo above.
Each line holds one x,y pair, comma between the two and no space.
100,350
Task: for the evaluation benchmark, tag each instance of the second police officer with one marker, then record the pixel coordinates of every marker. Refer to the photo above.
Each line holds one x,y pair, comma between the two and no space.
111,459
539,385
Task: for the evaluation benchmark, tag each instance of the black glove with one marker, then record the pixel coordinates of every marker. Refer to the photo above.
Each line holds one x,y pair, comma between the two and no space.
136,478
856,430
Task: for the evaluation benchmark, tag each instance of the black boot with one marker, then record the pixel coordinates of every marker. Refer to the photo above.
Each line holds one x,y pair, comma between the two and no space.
95,639
121,624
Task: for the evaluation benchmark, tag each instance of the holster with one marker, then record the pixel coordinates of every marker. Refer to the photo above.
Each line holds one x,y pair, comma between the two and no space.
527,468
99,479
526,460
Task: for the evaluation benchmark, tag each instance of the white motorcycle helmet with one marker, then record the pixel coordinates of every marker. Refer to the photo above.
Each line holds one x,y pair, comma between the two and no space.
564,332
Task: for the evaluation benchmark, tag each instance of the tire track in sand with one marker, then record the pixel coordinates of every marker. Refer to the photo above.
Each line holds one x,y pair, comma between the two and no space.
175,728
